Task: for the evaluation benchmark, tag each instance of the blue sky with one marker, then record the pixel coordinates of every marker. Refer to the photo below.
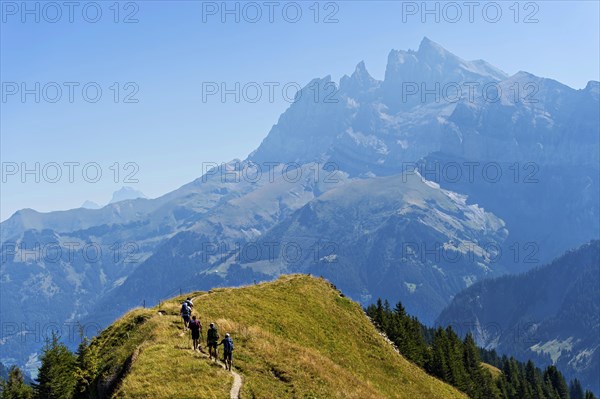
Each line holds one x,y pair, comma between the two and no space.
178,47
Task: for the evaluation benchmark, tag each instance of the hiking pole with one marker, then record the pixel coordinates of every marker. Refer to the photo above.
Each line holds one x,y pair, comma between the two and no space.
201,339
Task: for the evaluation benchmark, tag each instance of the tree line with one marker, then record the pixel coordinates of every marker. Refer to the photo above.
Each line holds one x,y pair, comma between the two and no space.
458,362
62,374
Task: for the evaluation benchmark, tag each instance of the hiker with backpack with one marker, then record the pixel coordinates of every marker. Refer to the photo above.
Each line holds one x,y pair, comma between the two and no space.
185,313
196,330
212,341
227,343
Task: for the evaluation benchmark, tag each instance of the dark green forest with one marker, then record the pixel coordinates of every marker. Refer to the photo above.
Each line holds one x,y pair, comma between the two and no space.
443,354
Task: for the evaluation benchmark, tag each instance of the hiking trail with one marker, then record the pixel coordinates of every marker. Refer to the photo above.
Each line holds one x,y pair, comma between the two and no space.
236,386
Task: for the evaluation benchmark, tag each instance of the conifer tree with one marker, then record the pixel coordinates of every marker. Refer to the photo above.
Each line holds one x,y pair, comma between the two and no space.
86,369
14,387
534,380
55,378
576,390
454,359
557,381
437,364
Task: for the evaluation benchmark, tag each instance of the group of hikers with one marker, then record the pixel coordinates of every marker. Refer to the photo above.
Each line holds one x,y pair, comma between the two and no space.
192,323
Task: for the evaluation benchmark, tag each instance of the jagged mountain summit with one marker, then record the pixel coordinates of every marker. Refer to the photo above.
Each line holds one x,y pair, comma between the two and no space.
126,193
361,129
123,194
90,205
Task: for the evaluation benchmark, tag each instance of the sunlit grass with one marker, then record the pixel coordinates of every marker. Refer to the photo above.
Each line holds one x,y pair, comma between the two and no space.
294,338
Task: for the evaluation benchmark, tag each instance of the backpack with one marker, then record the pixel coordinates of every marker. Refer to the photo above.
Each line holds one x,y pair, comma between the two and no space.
185,309
195,325
212,334
228,345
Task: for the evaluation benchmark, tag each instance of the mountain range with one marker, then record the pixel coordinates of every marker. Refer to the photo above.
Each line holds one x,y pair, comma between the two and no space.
411,188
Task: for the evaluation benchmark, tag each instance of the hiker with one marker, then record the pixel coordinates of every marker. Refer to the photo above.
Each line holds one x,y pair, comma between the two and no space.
189,303
185,313
212,341
196,330
227,343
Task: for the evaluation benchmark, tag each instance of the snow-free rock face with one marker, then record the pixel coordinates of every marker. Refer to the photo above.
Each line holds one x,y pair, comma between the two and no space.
542,134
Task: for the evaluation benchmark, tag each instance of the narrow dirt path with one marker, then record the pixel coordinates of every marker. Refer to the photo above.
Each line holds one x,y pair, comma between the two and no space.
236,387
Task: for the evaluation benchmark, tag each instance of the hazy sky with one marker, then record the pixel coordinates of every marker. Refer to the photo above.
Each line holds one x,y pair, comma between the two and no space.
155,62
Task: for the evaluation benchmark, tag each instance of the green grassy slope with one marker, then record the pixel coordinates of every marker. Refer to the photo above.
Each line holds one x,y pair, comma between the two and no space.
294,338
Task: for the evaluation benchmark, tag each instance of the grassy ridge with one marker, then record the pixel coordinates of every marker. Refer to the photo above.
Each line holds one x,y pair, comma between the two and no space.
146,349
294,338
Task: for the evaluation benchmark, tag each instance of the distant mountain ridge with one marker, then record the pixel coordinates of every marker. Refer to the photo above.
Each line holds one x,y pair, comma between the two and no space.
340,234
374,244
126,193
152,248
90,205
550,314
